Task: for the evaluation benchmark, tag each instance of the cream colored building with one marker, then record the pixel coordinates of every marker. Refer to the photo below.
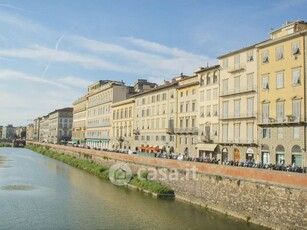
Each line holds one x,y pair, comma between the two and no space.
208,112
238,105
30,132
44,133
282,95
79,121
122,137
60,125
187,120
101,96
36,131
156,118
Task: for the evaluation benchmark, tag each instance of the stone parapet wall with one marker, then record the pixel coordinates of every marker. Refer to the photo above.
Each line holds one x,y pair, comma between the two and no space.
271,198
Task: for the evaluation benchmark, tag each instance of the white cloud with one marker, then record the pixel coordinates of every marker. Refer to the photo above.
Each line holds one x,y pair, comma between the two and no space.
75,81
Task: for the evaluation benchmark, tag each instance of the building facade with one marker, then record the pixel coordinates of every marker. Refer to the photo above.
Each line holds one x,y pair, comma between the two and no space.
238,105
79,121
156,118
122,137
8,132
60,125
282,96
208,112
187,116
101,96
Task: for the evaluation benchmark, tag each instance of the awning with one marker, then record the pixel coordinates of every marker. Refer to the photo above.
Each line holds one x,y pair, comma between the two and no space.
206,147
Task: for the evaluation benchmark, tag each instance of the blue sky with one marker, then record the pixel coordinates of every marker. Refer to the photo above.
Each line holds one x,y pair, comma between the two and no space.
51,50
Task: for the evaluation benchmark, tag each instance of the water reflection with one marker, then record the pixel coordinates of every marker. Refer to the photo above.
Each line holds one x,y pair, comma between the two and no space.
68,198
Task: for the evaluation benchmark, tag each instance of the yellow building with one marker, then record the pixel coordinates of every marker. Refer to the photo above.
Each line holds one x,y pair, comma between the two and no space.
187,119
122,125
79,121
282,95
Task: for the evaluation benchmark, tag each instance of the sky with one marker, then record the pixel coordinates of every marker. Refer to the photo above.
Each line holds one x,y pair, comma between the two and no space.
51,50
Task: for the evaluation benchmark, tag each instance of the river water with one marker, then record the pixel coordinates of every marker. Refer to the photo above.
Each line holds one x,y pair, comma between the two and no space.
37,192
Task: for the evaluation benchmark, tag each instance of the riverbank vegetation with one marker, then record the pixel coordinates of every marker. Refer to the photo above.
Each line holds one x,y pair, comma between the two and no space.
3,144
103,172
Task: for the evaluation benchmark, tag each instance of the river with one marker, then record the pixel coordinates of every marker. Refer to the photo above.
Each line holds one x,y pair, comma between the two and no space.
37,192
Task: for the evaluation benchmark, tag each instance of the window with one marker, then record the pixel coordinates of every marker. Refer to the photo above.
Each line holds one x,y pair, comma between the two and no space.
187,105
193,91
237,61
181,94
296,76
250,132
214,110
225,63
296,110
187,93
181,123
295,48
279,53
279,133
249,56
280,111
202,110
280,80
187,122
193,106
193,122
164,96
208,94
225,109
225,133
266,133
250,106
265,82
237,108
208,110
237,84
214,129
237,133
214,94
214,78
181,108
225,86
153,99
290,31
265,56
265,112
250,81
202,96
208,80
296,132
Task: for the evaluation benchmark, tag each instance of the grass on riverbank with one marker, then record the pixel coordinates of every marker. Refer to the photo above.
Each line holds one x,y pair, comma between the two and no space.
2,144
102,172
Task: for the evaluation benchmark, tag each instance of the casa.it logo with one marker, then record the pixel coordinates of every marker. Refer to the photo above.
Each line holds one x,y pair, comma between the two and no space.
120,174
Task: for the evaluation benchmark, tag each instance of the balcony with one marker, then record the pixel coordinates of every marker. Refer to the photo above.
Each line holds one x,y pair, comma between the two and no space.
239,141
241,90
288,120
251,115
237,68
186,130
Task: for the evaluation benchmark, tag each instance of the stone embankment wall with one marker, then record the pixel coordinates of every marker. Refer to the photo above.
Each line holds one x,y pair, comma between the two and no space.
270,198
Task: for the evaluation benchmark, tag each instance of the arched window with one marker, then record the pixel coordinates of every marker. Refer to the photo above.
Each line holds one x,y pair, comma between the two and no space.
296,155
280,154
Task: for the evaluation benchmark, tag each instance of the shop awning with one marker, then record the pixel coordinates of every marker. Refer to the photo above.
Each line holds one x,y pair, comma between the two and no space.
206,147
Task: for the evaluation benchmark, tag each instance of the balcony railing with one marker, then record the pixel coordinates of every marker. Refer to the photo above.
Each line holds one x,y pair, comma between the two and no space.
186,130
244,89
238,116
237,67
289,119
238,141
